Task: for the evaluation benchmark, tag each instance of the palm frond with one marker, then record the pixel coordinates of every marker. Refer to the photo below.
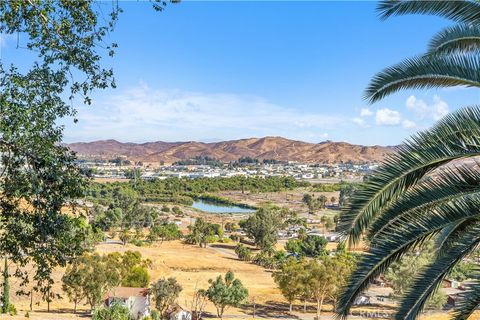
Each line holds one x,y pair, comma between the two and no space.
426,72
406,235
456,136
457,38
429,279
458,10
469,302
452,183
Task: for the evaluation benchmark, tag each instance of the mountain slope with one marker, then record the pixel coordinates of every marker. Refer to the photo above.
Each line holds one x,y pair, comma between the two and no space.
277,148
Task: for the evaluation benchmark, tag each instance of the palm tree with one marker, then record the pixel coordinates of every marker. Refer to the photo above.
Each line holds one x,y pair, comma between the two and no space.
423,192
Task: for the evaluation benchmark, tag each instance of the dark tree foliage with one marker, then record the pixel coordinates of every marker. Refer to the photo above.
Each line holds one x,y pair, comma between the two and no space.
38,176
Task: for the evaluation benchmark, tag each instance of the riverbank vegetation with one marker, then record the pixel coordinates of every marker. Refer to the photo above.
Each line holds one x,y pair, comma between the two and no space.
185,190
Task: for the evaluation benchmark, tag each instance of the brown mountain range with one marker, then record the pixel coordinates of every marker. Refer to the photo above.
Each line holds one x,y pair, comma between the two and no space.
277,148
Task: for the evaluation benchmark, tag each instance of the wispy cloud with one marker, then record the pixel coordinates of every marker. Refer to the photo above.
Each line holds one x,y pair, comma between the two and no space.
408,124
422,110
143,113
360,122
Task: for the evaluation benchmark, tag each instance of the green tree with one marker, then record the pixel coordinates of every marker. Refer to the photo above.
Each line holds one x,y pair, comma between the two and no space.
40,176
326,276
401,205
225,292
125,236
264,224
137,277
243,252
94,275
91,276
6,288
114,312
401,274
72,285
310,246
164,293
201,232
322,201
289,279
310,202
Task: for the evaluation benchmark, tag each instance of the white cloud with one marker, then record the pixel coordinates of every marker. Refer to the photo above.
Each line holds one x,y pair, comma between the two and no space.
418,106
422,110
407,124
365,112
388,117
144,113
360,122
440,108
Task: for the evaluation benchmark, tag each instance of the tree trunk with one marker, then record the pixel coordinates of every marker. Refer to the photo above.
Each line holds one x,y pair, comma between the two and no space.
6,289
291,306
305,306
318,309
321,303
75,307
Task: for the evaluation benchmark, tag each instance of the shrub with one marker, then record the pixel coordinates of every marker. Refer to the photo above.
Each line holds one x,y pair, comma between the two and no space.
114,312
155,315
243,252
12,310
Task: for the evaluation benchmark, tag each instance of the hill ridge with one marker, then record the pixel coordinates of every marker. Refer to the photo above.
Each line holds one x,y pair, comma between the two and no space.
269,147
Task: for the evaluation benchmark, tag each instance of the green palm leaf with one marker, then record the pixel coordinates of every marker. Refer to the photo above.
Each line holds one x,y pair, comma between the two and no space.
456,136
430,279
470,302
406,235
458,10
426,72
457,38
448,185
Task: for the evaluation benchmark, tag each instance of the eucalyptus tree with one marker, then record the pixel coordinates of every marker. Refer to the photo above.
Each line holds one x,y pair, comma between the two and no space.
425,190
61,45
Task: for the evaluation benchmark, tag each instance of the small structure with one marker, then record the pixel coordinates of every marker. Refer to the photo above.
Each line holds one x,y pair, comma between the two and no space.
362,300
136,300
448,283
179,313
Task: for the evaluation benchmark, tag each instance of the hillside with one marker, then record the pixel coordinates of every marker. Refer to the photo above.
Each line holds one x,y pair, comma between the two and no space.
277,148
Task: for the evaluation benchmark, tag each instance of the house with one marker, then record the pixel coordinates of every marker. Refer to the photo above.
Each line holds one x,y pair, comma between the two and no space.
136,300
333,237
179,313
448,283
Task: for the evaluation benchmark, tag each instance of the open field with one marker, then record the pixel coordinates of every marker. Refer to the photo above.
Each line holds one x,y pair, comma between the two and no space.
193,267
291,199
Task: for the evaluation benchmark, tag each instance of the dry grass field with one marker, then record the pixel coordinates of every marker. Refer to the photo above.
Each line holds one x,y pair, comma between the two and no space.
193,267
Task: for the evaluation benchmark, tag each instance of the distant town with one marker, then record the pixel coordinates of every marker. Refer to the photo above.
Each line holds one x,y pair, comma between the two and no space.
122,168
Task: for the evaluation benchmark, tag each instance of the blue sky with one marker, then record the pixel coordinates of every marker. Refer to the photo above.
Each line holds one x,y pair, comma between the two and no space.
213,71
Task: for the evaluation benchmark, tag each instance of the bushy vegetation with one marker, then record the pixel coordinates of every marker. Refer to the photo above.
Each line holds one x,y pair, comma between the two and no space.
91,276
310,246
225,292
318,279
243,252
203,232
184,190
164,293
114,312
200,160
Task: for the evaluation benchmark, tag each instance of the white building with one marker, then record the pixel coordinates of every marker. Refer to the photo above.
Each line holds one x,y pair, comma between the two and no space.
136,300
